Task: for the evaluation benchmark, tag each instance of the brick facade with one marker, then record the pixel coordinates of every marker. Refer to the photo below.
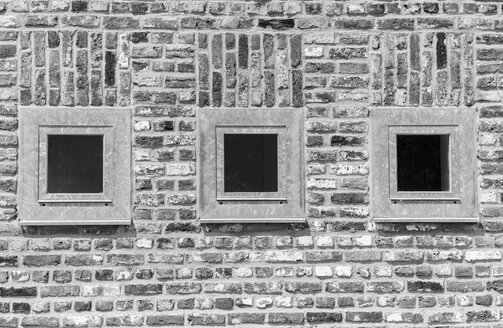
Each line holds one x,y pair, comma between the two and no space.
337,59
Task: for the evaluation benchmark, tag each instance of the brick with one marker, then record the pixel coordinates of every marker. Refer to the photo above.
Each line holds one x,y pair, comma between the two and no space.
364,316
125,259
303,287
81,21
245,318
489,255
434,23
41,260
345,287
150,289
120,23
349,198
263,288
59,291
276,24
385,287
405,317
483,316
445,317
359,24
425,286
8,261
7,51
347,53
165,320
496,285
126,320
286,318
18,291
206,319
363,256
403,256
37,321
396,24
346,141
161,23
38,21
464,286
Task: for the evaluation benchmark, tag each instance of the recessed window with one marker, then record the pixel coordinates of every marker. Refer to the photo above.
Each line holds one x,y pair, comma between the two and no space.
251,162
251,165
422,162
75,164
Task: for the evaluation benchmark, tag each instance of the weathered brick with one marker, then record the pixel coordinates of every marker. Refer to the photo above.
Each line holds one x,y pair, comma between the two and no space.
120,23
364,316
276,24
8,261
286,318
150,289
345,287
464,286
425,286
59,291
245,318
206,319
18,291
165,320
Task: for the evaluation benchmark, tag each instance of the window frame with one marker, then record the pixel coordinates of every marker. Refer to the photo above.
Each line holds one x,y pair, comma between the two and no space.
103,197
460,203
280,130
113,205
453,132
216,205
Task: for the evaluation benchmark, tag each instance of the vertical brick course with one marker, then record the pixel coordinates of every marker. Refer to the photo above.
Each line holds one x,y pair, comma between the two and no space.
255,71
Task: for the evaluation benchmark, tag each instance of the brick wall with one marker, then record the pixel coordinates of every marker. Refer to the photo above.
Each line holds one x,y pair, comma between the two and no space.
338,60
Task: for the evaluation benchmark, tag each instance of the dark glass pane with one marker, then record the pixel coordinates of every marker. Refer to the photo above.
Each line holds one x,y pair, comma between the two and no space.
75,164
251,162
422,162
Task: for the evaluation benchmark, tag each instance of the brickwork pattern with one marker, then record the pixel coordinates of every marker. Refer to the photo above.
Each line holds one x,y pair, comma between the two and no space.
337,59
74,68
271,75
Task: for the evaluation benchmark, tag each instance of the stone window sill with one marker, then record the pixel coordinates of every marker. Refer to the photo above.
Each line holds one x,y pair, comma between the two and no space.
427,220
93,222
252,220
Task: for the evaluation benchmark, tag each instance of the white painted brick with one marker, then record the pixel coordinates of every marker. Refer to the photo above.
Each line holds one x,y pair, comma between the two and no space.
313,52
323,272
487,255
343,271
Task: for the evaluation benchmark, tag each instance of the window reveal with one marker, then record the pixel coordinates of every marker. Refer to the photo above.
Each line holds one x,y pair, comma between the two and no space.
75,164
251,162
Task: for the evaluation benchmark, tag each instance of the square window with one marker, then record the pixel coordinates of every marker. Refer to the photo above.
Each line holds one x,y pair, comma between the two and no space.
251,165
422,162
251,149
424,165
251,162
75,166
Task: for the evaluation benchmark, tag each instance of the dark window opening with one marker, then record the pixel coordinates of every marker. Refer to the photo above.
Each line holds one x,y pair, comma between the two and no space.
422,162
75,164
250,162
